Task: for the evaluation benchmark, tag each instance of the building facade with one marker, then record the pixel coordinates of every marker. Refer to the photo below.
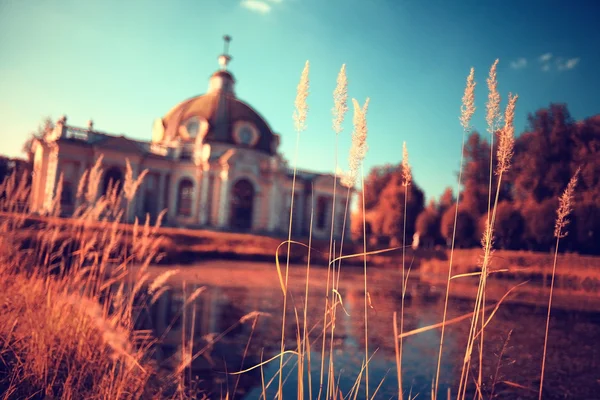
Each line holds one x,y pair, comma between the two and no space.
212,162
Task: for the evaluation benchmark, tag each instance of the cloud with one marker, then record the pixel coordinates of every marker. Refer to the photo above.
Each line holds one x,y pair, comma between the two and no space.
568,64
261,7
546,67
519,63
545,57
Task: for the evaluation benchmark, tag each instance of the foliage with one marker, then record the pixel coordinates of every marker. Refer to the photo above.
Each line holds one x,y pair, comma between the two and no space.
428,226
465,227
44,127
388,211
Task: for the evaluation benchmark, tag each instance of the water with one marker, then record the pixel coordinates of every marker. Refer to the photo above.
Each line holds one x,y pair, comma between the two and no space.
226,339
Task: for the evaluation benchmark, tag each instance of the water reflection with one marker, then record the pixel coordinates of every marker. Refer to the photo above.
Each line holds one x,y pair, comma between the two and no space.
225,337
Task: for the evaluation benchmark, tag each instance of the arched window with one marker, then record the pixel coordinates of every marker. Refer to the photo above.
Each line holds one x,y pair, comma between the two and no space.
242,204
185,195
66,195
113,177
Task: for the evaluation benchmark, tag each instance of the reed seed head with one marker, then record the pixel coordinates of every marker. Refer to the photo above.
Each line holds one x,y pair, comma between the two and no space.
301,95
507,137
565,206
468,102
493,105
358,150
340,100
406,171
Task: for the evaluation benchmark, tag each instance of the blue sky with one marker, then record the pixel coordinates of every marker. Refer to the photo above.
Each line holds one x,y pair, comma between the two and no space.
125,63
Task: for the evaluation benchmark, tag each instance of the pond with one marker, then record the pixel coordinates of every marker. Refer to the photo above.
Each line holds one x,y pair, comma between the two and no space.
236,321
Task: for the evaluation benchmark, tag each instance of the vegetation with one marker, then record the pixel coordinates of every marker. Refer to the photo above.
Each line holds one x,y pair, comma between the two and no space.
70,296
69,306
545,157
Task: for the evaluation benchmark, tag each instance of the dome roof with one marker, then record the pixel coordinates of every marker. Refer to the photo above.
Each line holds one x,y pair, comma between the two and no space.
223,112
218,116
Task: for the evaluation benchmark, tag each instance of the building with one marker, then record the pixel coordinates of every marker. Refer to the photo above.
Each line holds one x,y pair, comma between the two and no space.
212,162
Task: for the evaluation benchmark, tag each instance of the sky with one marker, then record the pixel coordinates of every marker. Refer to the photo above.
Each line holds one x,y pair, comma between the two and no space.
126,63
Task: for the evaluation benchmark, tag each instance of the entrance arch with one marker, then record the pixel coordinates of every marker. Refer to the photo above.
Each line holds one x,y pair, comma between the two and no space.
113,177
242,205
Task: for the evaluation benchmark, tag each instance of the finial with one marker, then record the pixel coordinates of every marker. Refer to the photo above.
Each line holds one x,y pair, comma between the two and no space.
227,39
225,57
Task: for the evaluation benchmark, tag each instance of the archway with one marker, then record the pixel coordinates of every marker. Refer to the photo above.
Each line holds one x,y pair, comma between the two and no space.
242,204
185,197
113,177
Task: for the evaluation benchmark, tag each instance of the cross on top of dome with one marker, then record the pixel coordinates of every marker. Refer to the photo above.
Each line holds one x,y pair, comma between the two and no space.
225,58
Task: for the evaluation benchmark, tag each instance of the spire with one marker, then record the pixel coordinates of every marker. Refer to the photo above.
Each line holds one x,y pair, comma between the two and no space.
225,57
222,80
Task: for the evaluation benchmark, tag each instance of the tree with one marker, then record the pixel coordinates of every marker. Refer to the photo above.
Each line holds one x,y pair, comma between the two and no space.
390,209
375,182
475,196
539,224
428,226
446,200
543,155
44,127
586,228
4,168
465,227
508,226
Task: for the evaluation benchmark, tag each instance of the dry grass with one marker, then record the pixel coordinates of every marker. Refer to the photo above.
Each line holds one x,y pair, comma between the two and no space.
69,301
69,297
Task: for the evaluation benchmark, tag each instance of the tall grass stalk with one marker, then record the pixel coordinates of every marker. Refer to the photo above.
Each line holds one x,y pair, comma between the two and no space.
467,111
505,152
406,181
564,209
340,107
305,351
493,118
300,113
358,151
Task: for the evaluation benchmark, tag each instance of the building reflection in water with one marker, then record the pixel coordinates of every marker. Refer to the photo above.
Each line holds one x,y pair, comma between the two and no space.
226,337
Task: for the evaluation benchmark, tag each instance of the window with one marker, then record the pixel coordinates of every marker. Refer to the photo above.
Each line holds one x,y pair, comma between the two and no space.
66,195
322,203
245,134
113,178
185,196
192,127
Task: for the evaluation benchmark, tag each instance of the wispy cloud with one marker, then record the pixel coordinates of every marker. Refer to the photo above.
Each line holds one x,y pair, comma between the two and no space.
550,62
519,63
571,63
259,6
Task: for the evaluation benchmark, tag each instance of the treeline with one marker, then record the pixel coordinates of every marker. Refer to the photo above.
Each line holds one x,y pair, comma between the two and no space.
546,156
17,166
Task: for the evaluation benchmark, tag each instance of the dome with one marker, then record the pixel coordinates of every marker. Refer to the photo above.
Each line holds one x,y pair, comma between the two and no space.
220,118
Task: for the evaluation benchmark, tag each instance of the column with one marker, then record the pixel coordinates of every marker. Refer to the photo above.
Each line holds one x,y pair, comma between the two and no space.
257,210
172,197
51,179
203,203
140,197
223,199
299,217
273,214
161,191
131,204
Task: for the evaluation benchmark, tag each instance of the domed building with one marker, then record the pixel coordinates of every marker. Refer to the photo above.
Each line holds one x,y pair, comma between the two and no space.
212,162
